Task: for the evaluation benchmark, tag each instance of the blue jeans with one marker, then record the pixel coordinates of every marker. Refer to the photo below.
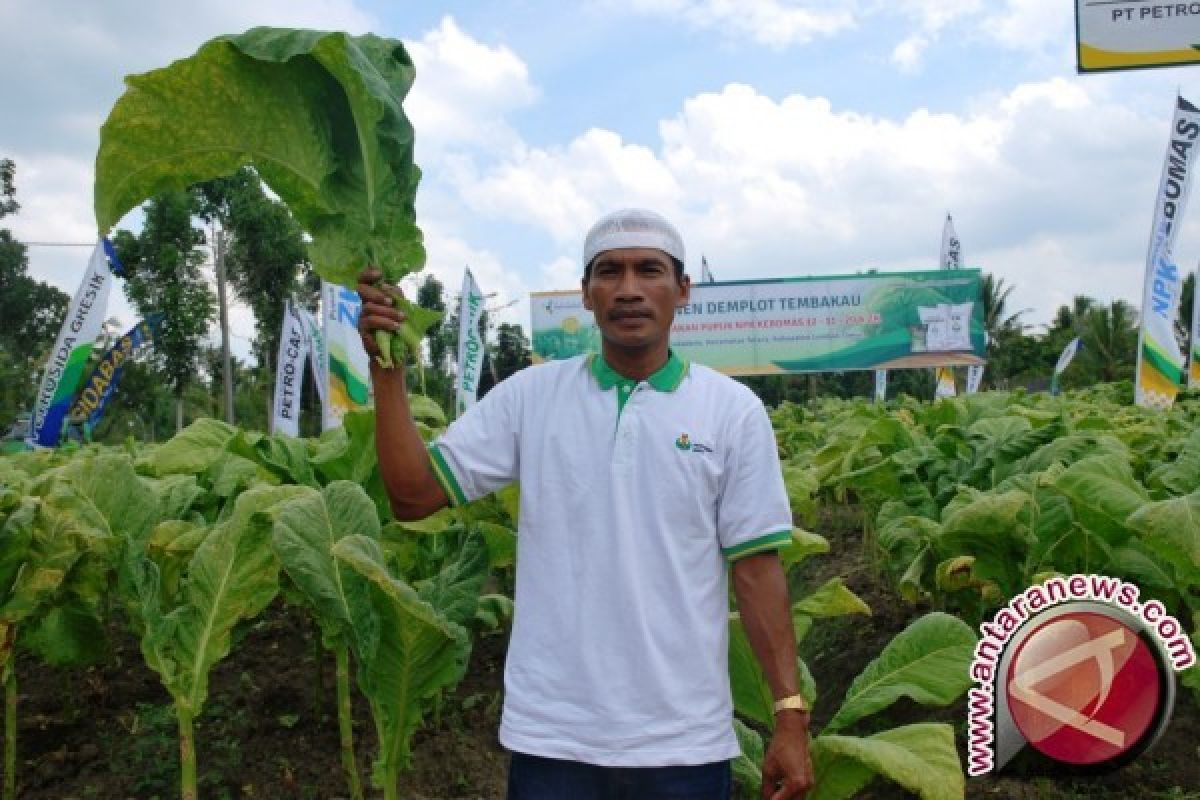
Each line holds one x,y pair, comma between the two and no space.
537,778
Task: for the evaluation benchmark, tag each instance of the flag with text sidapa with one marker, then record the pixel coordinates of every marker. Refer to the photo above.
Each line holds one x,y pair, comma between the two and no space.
73,347
100,386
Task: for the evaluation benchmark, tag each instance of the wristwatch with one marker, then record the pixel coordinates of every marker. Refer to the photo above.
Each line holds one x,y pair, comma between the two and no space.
795,702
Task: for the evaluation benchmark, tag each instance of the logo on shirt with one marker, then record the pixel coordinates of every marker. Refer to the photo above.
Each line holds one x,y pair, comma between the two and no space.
686,444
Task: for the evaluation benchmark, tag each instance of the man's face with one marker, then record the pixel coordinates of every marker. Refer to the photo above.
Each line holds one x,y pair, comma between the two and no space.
633,293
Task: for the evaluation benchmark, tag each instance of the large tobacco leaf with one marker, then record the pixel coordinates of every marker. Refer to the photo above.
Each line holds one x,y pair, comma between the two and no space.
928,662
319,116
418,653
919,757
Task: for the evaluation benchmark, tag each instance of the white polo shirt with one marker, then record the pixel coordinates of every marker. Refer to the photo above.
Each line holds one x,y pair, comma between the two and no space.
633,497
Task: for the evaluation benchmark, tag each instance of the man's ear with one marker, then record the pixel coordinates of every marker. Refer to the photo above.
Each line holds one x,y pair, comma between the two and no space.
685,289
587,300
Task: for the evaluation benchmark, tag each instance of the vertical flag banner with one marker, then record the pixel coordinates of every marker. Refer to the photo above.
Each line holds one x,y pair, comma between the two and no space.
1160,363
1064,361
470,344
706,275
85,316
347,365
951,248
289,373
102,383
945,383
880,385
1194,379
316,353
975,377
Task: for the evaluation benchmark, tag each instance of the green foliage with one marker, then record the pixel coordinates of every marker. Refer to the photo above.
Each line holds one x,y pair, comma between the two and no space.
162,275
319,117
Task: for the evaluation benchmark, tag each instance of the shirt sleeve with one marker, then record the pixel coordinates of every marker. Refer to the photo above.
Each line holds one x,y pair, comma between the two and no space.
753,512
478,453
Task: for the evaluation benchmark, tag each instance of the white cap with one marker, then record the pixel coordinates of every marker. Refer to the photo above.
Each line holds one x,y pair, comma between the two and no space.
632,227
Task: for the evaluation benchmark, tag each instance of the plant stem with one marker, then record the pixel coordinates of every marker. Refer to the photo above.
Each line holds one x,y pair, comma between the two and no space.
187,754
345,720
10,735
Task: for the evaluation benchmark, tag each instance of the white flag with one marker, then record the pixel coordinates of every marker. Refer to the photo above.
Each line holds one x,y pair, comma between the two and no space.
706,275
1064,360
316,354
1160,362
951,257
945,383
85,316
975,377
880,385
289,373
470,344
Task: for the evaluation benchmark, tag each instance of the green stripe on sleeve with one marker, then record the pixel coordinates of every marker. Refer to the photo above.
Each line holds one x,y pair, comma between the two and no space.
761,544
445,476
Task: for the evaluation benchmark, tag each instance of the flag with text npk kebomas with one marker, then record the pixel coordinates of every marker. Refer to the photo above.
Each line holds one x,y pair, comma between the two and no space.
100,386
347,365
85,316
1160,363
470,344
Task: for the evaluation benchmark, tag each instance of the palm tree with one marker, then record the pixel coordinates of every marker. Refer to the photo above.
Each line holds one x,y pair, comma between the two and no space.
1110,336
995,302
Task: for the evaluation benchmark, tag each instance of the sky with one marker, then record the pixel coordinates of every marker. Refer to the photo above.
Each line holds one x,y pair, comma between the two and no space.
782,137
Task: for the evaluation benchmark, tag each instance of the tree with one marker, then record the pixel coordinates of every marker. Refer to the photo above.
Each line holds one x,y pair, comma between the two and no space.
266,255
511,351
1109,335
32,312
162,273
431,295
1183,324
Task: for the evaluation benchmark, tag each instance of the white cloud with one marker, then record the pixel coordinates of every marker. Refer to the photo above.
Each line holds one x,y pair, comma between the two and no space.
774,188
775,23
463,89
1031,24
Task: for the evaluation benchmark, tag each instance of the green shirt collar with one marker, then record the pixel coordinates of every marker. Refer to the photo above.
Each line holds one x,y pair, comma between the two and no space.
666,379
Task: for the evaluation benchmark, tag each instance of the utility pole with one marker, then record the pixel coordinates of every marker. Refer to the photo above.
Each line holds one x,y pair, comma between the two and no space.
226,362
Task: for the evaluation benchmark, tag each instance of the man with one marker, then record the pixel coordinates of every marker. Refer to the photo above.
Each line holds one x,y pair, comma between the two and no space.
641,477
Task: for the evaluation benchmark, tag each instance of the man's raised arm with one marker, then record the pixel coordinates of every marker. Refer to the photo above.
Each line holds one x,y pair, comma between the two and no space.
412,489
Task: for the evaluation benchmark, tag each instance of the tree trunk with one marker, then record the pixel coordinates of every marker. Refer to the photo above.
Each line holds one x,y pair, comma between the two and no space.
178,413
226,361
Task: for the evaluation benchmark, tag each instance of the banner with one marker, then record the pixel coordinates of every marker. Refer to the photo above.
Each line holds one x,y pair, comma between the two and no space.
347,366
768,327
1194,378
1160,363
470,344
1128,34
1064,360
945,383
706,275
316,353
85,316
100,386
289,373
951,257
975,378
880,385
